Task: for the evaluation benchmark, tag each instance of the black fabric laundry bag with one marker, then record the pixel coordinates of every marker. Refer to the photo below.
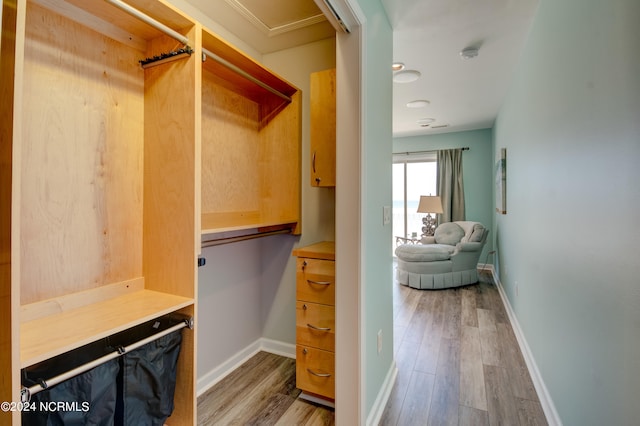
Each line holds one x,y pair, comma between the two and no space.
85,400
148,376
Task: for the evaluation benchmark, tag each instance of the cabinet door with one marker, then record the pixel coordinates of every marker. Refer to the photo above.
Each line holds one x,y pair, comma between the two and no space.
323,128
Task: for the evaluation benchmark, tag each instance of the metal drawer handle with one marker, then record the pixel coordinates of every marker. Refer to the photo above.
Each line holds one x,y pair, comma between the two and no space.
313,163
319,328
310,371
319,282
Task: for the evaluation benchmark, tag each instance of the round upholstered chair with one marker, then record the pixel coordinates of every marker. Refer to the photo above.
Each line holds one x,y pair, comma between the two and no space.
448,259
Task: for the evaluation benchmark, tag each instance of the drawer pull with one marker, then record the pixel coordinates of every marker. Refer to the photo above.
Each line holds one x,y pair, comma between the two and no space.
310,371
319,282
319,328
304,264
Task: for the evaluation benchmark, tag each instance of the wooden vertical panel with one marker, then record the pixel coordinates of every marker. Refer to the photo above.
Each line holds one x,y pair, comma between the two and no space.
81,168
280,150
169,172
230,149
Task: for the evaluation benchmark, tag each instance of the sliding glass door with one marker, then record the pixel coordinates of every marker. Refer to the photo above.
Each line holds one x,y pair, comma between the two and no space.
413,175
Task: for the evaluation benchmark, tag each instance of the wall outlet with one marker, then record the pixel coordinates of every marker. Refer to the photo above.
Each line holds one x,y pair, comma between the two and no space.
379,341
386,215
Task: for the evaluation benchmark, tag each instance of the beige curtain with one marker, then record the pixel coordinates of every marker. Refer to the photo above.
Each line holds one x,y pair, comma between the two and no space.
450,185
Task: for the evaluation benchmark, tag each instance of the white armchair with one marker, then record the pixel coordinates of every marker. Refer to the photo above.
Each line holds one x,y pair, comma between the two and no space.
448,259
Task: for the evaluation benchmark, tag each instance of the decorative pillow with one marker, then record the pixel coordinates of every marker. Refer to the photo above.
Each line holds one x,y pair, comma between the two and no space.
476,235
420,253
449,233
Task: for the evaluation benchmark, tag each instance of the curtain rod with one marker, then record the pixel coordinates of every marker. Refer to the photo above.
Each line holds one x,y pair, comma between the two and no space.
26,393
466,148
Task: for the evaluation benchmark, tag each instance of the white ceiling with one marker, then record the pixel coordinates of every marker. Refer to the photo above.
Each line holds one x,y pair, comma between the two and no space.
428,36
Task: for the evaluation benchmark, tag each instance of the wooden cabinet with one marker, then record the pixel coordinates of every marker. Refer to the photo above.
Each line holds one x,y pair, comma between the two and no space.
315,319
111,170
323,128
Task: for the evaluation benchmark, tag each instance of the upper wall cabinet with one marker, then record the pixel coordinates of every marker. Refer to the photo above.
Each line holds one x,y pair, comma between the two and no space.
251,144
323,128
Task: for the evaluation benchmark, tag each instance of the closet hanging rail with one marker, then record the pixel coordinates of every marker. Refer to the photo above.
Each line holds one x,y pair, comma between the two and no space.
220,241
27,392
185,40
149,20
208,54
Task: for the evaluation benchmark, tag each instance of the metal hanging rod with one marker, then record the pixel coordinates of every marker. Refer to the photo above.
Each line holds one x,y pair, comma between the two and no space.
220,241
185,40
149,20
466,148
27,392
208,54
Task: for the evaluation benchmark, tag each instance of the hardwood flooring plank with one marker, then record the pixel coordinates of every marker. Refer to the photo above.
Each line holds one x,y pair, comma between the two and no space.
274,378
405,361
452,314
446,392
321,417
414,408
500,403
427,355
272,410
469,315
229,390
298,413
406,310
519,377
468,416
415,328
530,413
486,319
472,385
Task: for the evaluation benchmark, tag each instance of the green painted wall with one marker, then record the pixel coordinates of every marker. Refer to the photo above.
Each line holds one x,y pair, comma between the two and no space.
569,242
477,167
376,192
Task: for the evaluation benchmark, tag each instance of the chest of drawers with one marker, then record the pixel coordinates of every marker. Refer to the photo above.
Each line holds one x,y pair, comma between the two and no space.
315,319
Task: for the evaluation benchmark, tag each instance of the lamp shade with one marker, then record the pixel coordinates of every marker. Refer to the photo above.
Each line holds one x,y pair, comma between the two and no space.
430,204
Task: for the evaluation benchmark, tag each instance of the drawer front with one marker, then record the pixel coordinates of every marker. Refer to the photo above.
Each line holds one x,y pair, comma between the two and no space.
316,280
315,325
315,371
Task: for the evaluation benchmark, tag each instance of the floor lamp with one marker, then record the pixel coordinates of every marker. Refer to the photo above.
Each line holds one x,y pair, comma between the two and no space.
429,204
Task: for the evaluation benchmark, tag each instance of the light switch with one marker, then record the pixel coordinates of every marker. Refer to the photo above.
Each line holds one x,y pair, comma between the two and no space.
386,215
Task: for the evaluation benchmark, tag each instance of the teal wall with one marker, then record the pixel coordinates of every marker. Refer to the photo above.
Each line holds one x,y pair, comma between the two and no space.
477,168
569,241
376,192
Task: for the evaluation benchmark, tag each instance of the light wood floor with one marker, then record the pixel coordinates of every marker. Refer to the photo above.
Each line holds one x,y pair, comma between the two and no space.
262,391
458,361
458,364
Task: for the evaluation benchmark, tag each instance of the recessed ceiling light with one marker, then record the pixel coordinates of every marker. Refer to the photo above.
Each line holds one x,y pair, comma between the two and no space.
406,76
421,103
397,66
469,52
424,122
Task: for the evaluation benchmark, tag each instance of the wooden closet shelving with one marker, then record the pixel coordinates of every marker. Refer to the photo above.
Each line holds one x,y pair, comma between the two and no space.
250,145
114,172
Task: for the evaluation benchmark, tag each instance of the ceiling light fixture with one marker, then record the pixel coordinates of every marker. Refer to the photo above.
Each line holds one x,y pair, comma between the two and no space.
425,122
397,66
421,103
406,76
469,52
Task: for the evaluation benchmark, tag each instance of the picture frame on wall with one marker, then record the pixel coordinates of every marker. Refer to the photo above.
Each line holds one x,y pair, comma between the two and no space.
501,182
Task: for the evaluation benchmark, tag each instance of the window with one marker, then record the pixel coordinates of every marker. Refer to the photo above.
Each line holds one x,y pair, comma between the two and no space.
414,174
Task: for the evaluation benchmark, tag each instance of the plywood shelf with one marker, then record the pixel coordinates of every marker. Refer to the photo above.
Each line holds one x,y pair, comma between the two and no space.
53,335
214,223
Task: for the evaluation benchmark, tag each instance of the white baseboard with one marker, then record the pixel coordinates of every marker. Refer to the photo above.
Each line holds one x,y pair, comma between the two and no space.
543,393
375,415
209,379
